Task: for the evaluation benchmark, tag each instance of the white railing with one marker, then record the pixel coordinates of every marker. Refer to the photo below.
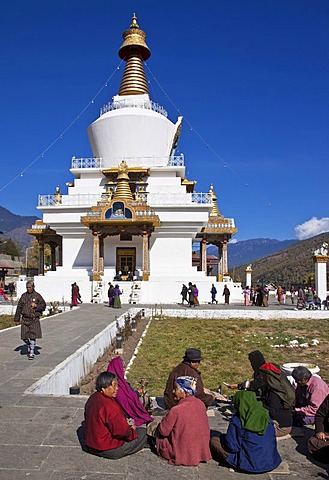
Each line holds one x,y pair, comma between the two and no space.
229,223
39,227
126,103
177,161
202,197
179,198
145,213
87,199
86,162
90,162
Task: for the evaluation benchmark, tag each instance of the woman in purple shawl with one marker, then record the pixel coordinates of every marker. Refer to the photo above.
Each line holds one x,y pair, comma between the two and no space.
126,397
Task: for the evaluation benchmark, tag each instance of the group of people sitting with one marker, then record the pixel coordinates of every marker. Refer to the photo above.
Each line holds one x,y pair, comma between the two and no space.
304,401
117,424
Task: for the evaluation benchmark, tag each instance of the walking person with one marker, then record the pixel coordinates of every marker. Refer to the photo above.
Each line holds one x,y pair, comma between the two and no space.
110,294
184,294
28,312
116,297
213,292
190,292
226,295
246,295
75,294
196,295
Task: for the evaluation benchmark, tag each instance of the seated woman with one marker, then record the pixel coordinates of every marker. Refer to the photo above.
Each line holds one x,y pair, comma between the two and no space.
318,445
250,443
107,432
278,398
256,359
183,435
126,397
310,392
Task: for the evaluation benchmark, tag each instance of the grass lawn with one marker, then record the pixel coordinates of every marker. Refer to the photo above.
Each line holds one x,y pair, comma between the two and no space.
225,345
6,321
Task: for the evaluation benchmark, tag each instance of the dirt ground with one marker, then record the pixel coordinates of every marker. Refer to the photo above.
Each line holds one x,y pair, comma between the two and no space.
87,385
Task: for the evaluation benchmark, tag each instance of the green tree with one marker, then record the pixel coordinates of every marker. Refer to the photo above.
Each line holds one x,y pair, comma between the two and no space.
9,247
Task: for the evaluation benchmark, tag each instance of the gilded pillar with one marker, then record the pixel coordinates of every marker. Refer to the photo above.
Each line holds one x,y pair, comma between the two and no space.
203,255
146,257
224,258
220,263
96,275
41,257
101,254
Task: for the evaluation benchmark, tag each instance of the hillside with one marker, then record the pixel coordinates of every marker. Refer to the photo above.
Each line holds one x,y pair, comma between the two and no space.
15,226
247,251
290,266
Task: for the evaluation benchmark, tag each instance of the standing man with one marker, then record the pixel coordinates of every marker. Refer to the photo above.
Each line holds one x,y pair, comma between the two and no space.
213,292
226,295
28,311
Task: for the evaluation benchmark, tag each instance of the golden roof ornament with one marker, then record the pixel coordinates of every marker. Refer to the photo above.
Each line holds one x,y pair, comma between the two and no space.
134,51
215,210
122,190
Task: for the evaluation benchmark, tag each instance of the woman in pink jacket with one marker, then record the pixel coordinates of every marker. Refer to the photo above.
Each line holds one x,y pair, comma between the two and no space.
183,435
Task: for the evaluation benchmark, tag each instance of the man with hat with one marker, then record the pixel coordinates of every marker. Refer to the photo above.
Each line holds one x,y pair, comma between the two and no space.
188,367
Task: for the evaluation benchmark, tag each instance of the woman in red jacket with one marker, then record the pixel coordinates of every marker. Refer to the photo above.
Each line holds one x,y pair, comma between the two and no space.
107,432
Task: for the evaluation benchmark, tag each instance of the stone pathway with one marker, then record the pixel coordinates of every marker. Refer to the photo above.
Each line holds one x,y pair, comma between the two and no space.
38,434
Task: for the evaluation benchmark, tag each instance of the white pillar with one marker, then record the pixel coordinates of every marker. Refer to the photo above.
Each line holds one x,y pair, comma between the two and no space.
320,262
248,276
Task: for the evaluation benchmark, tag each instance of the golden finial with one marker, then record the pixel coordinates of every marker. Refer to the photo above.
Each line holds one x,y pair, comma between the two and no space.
134,51
134,23
215,210
122,190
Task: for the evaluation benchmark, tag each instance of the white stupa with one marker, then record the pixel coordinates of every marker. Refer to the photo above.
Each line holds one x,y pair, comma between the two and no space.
130,208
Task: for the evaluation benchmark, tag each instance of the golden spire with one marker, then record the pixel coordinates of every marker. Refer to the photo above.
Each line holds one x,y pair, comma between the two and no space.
134,51
215,210
122,190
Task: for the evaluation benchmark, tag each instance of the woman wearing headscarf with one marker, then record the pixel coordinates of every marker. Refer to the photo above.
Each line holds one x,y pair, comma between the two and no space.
183,435
256,385
278,397
116,297
126,397
250,443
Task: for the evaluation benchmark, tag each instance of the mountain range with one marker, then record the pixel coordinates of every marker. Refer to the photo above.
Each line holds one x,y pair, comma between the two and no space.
247,251
290,266
15,226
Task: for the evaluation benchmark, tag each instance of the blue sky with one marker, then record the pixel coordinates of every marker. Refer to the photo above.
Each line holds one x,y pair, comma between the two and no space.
250,77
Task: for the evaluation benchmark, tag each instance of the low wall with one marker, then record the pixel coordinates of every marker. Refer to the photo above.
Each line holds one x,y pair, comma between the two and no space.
71,371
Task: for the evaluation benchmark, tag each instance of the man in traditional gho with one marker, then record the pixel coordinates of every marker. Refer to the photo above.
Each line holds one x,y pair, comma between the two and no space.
188,367
28,312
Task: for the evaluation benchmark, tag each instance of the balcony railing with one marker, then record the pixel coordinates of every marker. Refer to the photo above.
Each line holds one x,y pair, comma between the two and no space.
90,162
229,223
183,199
201,197
128,103
79,199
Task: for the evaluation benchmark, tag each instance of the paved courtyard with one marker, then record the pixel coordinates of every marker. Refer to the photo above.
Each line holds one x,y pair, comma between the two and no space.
39,434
